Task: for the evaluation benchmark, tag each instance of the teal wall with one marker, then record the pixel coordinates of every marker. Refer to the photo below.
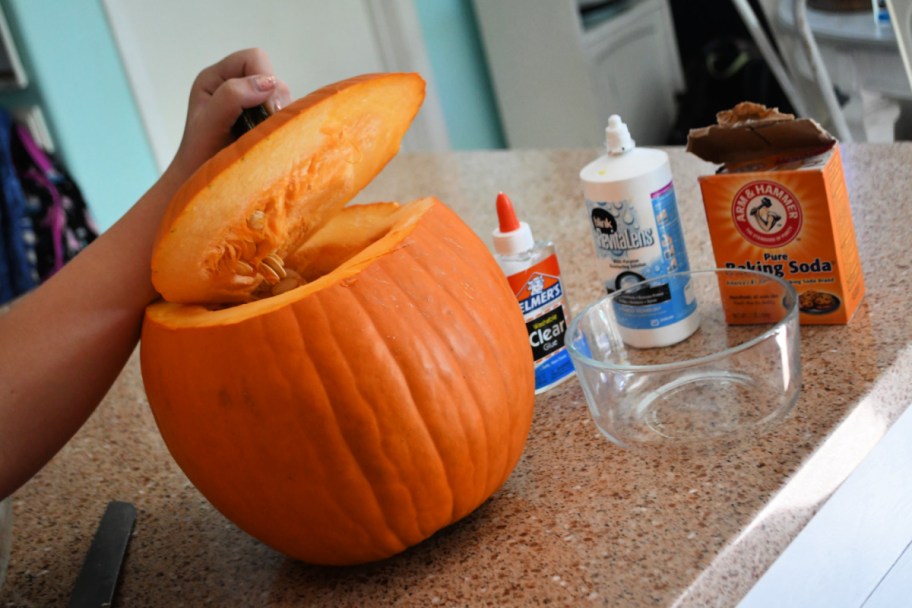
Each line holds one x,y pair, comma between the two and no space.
75,73
460,73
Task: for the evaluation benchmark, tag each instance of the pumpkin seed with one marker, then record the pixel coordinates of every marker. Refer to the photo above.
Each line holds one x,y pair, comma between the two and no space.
242,267
273,269
257,220
286,284
271,276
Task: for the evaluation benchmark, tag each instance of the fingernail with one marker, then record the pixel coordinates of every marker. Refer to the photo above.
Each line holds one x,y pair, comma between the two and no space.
276,105
264,83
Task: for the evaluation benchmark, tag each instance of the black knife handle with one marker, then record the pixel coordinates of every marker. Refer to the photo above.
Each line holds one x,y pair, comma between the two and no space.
248,119
97,580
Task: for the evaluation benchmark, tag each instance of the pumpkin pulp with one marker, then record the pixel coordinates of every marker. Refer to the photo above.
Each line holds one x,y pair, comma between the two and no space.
233,223
351,240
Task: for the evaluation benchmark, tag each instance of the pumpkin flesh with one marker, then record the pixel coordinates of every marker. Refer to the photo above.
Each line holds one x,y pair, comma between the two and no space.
277,185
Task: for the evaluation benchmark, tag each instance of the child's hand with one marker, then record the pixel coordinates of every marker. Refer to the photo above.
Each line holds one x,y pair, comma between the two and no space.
241,80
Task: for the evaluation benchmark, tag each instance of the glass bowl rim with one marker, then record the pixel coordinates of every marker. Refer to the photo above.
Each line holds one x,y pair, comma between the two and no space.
572,329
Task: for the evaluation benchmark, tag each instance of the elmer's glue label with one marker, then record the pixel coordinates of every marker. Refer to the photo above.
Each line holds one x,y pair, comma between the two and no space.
533,273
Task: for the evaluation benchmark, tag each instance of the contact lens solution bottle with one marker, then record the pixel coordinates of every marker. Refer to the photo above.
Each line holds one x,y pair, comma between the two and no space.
533,272
633,215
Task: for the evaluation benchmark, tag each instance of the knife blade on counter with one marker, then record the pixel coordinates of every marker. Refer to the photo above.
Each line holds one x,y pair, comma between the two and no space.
100,571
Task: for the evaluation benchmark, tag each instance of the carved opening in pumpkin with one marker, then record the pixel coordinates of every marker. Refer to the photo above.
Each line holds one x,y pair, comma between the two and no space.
338,251
346,233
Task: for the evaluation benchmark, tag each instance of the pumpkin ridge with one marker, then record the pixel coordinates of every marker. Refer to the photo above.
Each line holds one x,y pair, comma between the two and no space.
339,505
321,309
451,485
461,240
382,444
456,250
479,472
456,256
337,502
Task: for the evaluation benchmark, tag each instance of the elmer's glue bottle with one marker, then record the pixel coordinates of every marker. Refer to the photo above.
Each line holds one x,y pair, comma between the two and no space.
534,275
633,214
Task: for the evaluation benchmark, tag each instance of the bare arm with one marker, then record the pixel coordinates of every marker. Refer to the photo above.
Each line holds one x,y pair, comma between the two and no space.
64,344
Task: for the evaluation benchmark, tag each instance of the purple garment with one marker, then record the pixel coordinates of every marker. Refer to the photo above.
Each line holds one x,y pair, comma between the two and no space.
18,272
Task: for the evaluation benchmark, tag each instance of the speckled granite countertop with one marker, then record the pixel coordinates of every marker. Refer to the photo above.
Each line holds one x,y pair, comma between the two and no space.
580,521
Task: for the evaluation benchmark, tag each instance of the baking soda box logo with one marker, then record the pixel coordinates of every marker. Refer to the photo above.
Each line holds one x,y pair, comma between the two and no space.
767,214
777,226
537,286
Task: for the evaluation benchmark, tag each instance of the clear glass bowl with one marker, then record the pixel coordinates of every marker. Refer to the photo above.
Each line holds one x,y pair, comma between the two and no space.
738,373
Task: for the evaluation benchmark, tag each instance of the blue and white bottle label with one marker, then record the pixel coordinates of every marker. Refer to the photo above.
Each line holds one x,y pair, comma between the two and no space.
637,241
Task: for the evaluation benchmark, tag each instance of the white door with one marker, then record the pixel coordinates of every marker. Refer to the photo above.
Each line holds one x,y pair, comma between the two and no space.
164,44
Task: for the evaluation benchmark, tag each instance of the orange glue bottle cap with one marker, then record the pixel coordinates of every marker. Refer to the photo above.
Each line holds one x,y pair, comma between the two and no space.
511,236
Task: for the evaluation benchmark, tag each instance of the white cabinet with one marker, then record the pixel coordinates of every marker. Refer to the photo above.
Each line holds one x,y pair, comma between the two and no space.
557,80
164,44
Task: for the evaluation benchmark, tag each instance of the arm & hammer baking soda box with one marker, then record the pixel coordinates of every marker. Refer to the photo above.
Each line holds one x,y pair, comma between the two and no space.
779,204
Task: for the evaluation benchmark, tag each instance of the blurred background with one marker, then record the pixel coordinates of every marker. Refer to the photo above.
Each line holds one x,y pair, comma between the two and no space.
103,83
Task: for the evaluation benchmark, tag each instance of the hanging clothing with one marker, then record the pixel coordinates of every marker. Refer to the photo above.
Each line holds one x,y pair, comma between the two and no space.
18,272
60,216
45,220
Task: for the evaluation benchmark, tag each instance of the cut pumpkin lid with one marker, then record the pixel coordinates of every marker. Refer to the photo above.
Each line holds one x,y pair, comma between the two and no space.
233,223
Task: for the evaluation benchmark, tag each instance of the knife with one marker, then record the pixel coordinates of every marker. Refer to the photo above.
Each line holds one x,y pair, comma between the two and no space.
249,118
97,580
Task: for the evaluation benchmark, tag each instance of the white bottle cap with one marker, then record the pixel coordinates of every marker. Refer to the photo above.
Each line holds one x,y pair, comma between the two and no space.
617,136
516,241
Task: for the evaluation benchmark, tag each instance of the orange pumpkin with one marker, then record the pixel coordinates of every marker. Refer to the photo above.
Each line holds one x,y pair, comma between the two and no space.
382,395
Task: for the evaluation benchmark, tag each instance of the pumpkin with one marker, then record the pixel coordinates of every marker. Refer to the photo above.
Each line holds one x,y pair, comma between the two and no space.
341,381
